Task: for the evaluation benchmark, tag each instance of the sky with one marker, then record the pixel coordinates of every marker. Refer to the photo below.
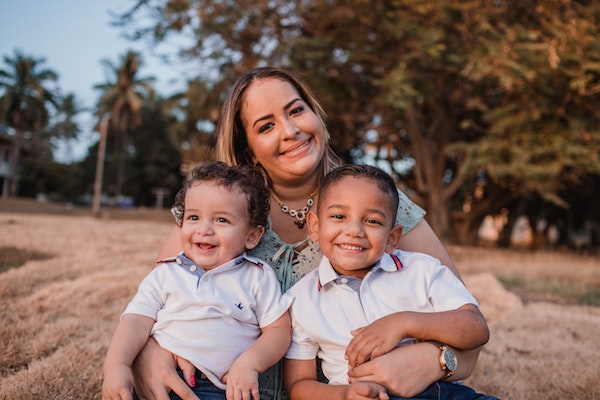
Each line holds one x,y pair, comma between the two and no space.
74,36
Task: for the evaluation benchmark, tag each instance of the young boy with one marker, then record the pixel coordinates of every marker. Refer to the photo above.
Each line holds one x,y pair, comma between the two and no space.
362,302
212,304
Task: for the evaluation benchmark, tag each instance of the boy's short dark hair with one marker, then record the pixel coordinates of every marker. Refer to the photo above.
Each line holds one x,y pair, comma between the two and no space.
244,178
383,180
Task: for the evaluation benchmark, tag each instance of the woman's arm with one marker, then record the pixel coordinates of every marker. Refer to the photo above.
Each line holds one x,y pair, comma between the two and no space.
408,370
464,328
422,239
172,246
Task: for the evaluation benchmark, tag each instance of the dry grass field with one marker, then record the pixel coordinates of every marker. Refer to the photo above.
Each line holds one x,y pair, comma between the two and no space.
60,307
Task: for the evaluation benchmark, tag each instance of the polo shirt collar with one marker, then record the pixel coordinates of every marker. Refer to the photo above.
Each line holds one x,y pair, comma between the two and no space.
388,263
326,273
190,266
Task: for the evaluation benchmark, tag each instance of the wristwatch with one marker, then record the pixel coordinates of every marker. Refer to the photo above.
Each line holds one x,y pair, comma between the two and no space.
448,361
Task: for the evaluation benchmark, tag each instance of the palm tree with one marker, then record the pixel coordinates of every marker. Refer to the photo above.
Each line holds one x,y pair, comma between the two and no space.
23,103
193,117
66,127
122,99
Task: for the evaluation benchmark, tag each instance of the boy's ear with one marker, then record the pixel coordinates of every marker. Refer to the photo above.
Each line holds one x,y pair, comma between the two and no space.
254,236
312,223
394,238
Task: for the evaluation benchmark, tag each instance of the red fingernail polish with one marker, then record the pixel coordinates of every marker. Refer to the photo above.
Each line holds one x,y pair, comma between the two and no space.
193,381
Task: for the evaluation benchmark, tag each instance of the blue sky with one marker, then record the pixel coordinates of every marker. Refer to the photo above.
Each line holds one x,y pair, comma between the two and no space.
73,36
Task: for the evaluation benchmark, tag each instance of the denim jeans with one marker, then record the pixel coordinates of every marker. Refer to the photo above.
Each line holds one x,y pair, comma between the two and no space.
204,389
447,391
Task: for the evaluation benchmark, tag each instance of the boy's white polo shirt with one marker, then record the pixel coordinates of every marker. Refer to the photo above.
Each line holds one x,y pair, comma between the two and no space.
326,308
210,318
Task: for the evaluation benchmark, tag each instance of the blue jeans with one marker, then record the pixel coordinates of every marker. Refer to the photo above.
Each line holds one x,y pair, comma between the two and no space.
204,389
447,391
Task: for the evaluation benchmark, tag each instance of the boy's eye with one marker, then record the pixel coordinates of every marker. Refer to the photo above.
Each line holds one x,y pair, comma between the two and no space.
222,220
193,217
374,221
337,216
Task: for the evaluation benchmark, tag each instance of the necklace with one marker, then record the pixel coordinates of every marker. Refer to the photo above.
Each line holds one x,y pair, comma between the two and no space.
299,215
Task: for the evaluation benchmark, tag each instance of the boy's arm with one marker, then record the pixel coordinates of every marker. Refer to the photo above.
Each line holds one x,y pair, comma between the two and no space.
301,383
130,336
269,348
464,328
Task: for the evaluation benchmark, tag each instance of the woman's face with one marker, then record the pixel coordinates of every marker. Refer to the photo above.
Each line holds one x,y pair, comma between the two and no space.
286,137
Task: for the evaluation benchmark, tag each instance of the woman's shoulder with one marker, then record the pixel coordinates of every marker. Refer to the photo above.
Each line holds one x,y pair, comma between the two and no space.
409,214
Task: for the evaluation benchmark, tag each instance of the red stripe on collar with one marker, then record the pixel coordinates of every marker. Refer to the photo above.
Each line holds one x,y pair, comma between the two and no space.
397,261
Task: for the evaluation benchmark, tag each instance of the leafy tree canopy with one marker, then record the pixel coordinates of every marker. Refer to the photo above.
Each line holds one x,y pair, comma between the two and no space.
493,101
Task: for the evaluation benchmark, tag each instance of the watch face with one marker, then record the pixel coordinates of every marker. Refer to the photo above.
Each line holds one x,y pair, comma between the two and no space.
450,360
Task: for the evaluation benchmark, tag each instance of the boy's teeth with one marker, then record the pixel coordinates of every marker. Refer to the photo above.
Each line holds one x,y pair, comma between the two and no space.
346,246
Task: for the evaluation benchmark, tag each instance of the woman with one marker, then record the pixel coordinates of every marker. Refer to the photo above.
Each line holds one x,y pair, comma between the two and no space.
271,120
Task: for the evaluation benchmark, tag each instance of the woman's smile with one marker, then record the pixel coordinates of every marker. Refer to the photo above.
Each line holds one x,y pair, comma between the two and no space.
294,150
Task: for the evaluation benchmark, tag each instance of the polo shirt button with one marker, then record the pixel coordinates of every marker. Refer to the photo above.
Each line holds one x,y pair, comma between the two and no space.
193,268
178,260
344,280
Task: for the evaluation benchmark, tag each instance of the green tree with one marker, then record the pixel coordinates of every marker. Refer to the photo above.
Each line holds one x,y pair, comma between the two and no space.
538,92
24,102
156,162
229,36
65,126
122,98
192,118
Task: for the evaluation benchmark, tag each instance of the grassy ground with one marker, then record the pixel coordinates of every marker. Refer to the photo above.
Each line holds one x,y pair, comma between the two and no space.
30,206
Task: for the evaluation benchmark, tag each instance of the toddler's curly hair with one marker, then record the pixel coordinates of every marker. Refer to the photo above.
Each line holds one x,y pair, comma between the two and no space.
244,178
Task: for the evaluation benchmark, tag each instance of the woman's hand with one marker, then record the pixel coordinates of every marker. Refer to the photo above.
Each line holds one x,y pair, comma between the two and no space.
155,373
404,371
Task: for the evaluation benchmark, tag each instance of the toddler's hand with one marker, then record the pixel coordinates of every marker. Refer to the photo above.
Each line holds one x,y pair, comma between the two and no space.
118,384
242,383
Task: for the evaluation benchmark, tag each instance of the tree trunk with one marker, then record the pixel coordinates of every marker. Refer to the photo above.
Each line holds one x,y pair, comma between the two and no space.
15,156
121,160
103,127
438,214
